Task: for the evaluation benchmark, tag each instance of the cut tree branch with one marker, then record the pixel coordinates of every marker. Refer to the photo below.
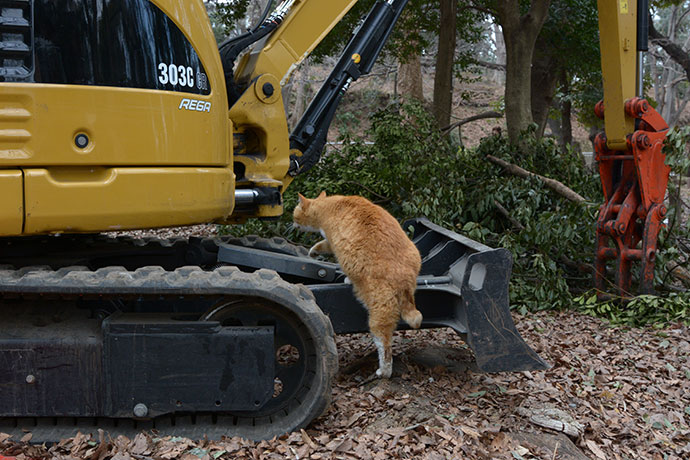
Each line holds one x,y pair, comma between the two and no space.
553,184
479,116
679,272
491,65
504,212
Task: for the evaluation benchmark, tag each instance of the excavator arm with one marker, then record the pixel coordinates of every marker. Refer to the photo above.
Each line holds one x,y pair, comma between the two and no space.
255,99
633,174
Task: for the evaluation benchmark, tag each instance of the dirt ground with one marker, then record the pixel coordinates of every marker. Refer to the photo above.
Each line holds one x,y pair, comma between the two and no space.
624,394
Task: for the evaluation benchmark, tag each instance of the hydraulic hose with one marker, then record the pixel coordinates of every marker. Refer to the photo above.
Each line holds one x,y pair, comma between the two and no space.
309,136
231,49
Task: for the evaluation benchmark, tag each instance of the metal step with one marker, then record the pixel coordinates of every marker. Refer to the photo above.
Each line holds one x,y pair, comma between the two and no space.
12,23
16,40
11,48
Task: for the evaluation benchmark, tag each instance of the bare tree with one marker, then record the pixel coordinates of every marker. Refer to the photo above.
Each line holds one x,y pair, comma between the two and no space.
670,61
445,58
520,32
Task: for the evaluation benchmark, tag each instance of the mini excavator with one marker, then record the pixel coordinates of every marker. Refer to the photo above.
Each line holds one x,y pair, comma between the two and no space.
125,114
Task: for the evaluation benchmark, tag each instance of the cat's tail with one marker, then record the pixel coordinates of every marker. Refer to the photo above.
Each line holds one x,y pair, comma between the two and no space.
409,311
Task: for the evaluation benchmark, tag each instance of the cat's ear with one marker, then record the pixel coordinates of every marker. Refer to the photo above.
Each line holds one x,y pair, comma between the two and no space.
302,199
322,194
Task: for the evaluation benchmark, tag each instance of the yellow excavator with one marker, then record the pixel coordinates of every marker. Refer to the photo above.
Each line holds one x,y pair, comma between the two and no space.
125,114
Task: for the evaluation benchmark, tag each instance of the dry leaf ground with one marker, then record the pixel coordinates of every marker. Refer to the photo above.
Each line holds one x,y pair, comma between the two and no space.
629,388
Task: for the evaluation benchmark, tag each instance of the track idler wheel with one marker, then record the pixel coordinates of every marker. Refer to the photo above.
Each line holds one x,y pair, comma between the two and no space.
306,359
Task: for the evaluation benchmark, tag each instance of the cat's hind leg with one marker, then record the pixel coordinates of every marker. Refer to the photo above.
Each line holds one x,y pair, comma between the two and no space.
322,247
385,352
382,323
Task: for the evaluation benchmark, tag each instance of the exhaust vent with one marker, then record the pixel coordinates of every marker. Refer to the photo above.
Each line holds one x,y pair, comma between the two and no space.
16,40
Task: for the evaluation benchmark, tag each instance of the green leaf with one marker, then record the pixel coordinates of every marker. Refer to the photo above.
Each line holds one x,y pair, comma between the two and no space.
477,394
199,452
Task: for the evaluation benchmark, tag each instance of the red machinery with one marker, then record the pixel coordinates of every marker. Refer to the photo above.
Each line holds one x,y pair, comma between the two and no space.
629,153
634,183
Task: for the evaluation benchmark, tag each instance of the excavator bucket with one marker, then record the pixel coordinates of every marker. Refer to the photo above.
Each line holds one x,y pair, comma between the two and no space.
475,278
463,285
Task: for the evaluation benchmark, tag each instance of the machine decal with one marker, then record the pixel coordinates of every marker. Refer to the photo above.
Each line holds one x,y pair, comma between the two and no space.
195,105
174,74
179,75
116,43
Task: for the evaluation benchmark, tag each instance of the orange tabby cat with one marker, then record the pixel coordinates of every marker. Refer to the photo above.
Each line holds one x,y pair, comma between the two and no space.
375,254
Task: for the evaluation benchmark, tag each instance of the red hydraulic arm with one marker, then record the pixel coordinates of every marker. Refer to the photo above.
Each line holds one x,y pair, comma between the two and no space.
634,182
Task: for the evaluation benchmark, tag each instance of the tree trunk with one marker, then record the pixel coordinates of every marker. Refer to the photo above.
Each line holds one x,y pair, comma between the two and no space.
675,51
543,84
520,34
445,58
499,75
566,113
302,94
671,103
518,84
410,79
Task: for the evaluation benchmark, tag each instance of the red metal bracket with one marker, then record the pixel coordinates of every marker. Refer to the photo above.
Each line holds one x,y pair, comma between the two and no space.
634,182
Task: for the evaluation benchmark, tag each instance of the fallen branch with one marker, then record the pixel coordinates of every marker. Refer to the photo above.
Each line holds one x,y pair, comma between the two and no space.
491,65
579,266
479,116
553,184
679,272
553,419
504,212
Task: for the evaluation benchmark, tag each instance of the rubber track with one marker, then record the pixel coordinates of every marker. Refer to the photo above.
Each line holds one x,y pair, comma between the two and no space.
75,282
276,244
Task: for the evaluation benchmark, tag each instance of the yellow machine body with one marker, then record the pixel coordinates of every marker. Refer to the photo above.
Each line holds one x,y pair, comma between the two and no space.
154,157
617,39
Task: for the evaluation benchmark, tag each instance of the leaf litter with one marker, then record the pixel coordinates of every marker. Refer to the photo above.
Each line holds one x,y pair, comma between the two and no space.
627,390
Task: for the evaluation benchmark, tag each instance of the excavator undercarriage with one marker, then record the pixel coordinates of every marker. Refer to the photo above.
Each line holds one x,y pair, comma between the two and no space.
211,336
